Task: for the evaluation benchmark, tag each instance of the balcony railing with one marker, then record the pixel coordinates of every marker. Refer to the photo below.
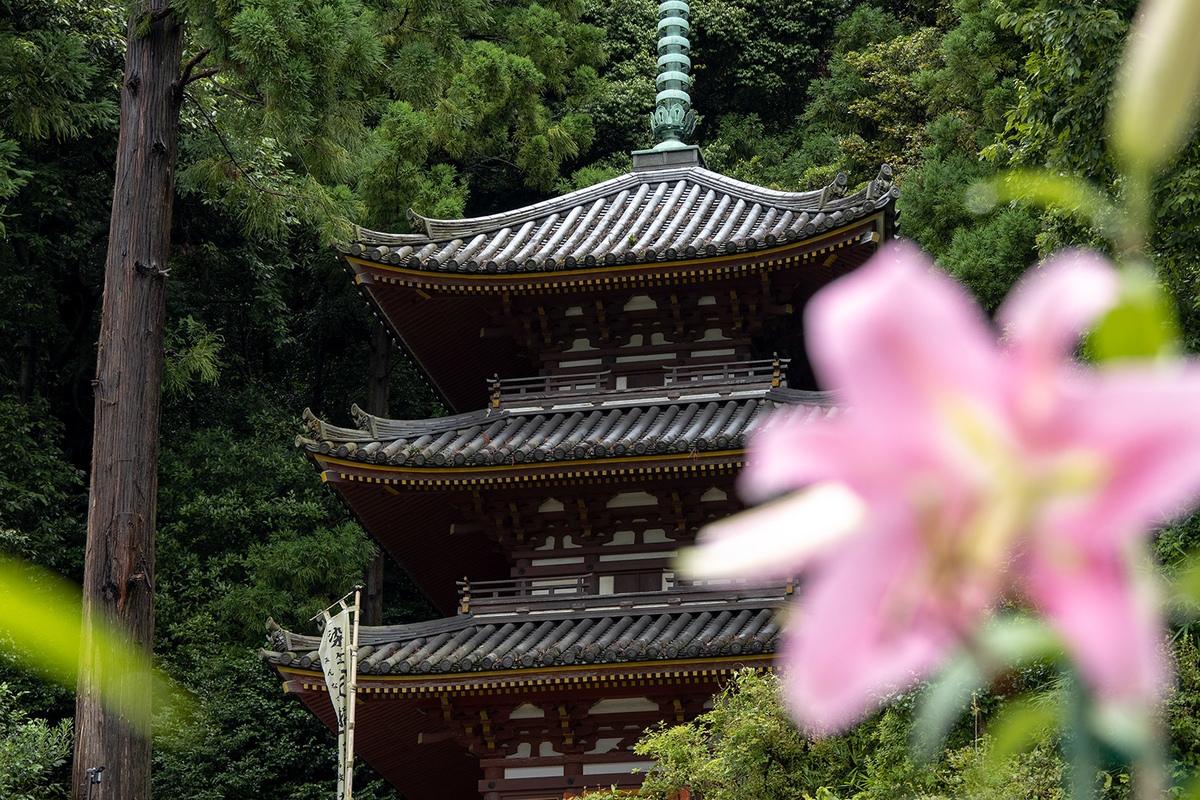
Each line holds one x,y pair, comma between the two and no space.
483,594
525,595
763,372
540,386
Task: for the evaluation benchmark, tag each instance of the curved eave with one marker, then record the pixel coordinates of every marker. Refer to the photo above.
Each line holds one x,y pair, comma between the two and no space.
438,315
622,433
337,470
468,257
693,670
435,229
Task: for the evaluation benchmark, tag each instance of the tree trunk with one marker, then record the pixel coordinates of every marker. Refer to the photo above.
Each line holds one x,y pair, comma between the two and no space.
118,584
377,403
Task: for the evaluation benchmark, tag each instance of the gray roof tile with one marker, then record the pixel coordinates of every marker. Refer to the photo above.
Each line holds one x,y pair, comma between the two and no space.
465,643
646,215
543,434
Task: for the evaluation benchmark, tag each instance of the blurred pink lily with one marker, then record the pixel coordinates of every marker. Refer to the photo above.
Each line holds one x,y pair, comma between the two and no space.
961,473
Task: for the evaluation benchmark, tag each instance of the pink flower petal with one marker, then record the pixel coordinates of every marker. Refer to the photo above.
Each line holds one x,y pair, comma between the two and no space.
1055,303
777,539
857,640
894,336
798,451
1145,423
1107,615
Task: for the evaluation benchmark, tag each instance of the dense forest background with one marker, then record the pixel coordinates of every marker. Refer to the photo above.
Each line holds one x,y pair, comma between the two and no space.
360,109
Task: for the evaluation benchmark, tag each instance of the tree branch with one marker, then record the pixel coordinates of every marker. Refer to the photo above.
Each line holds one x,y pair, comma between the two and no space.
234,92
186,77
238,164
208,73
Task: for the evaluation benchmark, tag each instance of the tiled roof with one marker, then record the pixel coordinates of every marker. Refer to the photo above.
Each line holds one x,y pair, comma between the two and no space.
465,643
702,419
643,216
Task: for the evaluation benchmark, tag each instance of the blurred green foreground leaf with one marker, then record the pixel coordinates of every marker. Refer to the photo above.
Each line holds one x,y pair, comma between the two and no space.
43,619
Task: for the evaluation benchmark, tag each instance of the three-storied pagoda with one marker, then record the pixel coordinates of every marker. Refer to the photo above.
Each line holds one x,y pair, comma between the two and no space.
607,354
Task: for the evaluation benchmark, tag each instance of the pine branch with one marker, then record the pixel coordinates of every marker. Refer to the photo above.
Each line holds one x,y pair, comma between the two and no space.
234,92
237,163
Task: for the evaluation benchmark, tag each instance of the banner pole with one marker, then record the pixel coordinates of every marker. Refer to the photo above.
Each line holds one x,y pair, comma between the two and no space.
352,696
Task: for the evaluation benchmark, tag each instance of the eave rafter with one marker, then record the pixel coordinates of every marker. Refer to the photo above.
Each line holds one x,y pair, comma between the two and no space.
814,253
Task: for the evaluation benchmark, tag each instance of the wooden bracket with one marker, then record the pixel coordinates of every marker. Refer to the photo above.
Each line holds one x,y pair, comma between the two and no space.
583,516
602,318
544,324
518,528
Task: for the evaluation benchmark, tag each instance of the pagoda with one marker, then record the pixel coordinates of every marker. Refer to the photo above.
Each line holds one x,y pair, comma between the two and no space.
606,354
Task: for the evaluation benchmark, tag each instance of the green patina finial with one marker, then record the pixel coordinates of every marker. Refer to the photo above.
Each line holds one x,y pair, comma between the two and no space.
673,119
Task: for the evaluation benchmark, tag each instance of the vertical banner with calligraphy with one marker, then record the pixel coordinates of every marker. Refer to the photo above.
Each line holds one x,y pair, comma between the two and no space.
334,663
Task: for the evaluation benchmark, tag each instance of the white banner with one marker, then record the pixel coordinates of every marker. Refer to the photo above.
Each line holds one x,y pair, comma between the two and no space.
333,662
334,646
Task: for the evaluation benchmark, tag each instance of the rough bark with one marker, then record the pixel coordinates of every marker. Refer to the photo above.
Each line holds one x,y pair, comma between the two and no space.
377,403
119,563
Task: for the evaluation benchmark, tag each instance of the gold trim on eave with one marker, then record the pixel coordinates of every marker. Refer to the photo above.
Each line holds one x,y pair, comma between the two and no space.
653,273
477,684
601,471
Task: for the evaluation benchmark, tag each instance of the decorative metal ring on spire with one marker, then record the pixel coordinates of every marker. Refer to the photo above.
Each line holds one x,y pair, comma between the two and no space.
673,119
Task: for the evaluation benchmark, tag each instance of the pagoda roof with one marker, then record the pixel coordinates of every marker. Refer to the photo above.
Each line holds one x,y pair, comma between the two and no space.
716,625
651,214
680,420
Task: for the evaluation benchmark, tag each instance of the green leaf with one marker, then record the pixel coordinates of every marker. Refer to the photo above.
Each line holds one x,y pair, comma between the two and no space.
1063,193
1019,727
1141,325
42,616
943,704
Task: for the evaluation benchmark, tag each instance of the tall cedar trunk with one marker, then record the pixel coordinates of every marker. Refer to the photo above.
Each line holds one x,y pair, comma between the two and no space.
377,404
118,582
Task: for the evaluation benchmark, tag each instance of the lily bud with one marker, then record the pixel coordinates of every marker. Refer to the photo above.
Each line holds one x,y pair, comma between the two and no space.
1153,110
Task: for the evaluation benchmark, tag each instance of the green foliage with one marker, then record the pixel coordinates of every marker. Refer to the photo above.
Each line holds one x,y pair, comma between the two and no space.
246,530
360,110
51,81
746,746
41,507
1058,120
758,56
242,737
32,752
192,354
991,255
1181,715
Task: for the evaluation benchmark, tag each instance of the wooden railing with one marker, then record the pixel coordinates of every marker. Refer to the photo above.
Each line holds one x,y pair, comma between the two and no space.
674,583
492,593
730,372
524,595
504,389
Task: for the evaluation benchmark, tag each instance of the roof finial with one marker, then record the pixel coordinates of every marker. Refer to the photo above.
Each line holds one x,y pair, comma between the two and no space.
673,119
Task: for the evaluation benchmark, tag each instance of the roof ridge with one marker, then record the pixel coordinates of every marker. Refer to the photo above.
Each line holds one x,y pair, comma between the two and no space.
441,230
